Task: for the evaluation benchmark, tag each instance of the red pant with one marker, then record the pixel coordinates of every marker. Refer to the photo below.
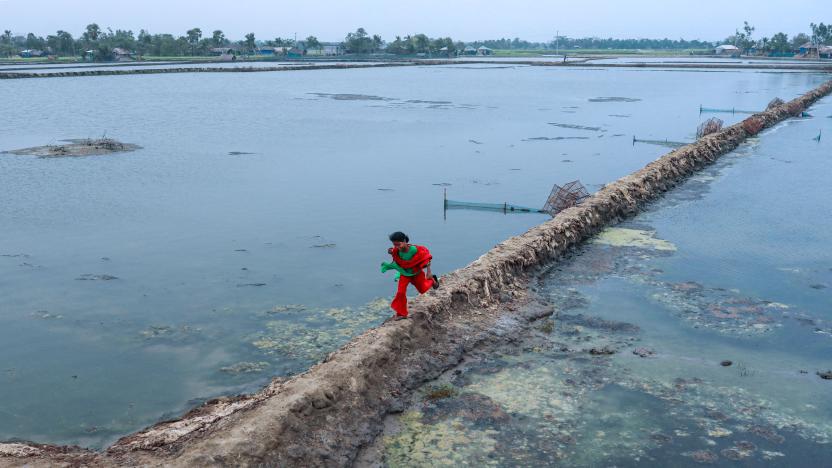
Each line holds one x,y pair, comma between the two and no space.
422,284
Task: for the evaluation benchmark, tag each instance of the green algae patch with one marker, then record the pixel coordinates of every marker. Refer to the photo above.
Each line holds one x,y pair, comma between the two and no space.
307,335
446,443
624,237
535,391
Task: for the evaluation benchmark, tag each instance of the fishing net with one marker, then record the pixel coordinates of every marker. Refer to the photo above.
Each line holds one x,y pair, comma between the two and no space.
503,207
709,126
564,197
665,143
774,103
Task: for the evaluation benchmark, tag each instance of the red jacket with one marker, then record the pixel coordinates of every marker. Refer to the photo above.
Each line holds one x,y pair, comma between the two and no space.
418,261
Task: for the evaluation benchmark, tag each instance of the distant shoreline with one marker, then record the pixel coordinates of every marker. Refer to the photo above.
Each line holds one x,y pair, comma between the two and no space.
315,65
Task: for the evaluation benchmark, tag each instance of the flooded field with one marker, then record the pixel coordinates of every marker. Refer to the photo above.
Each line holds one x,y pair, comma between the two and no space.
699,332
244,239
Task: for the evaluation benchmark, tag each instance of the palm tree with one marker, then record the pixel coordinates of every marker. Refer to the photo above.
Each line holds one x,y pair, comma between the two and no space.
194,35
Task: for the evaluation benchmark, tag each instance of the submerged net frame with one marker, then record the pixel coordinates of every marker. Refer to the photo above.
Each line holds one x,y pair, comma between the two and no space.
565,197
502,207
703,110
666,143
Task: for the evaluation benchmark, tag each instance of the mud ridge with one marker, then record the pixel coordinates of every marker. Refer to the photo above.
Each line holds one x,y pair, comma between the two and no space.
151,71
323,416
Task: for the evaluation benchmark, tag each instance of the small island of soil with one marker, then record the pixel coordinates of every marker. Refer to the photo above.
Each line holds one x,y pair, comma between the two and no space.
75,148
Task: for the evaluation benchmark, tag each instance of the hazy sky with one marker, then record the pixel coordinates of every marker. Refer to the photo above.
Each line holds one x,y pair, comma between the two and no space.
330,20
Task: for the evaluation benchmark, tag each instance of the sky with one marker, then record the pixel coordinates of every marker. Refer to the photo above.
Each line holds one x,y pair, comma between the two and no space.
466,20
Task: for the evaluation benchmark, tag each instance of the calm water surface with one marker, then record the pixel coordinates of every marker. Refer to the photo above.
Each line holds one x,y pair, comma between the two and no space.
137,285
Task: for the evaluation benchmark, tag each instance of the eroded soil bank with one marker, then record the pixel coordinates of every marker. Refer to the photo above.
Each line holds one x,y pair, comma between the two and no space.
76,148
325,415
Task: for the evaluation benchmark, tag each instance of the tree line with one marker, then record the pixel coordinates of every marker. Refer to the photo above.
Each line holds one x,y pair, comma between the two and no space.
743,38
100,43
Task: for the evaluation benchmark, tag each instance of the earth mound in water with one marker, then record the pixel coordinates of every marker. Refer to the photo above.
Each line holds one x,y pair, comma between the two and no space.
76,148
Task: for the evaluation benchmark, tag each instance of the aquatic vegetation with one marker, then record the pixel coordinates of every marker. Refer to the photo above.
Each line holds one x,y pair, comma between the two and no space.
306,335
171,333
351,97
93,277
245,368
577,127
286,308
446,443
614,99
625,237
438,392
718,309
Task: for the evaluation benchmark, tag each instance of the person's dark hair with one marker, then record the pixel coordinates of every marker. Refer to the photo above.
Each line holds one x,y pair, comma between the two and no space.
399,236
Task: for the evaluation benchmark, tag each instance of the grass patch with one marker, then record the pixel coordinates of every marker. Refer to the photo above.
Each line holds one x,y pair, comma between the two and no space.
439,392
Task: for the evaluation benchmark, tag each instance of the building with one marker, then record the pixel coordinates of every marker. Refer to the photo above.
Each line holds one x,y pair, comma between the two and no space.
29,53
123,55
483,50
469,51
225,54
825,51
327,49
727,49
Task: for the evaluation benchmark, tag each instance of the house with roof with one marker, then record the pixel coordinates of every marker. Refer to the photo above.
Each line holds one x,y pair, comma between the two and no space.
483,50
727,49
468,50
29,53
123,55
326,49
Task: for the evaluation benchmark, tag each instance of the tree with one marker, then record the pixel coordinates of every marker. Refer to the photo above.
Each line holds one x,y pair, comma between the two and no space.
6,46
35,42
742,39
250,43
421,43
821,33
780,43
194,35
92,33
377,42
144,43
313,43
218,38
799,40
358,42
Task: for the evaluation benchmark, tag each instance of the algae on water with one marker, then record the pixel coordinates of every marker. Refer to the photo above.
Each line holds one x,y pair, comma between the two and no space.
625,237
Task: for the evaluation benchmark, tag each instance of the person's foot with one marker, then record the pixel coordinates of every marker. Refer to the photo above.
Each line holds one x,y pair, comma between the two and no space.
435,284
396,318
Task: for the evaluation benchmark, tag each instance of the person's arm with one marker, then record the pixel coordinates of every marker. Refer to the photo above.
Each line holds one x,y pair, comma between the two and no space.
427,270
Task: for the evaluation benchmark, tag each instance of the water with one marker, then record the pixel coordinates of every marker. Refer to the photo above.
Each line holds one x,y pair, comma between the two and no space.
232,268
732,266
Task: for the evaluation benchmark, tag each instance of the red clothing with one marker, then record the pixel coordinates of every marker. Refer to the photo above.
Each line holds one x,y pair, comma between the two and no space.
422,284
420,259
